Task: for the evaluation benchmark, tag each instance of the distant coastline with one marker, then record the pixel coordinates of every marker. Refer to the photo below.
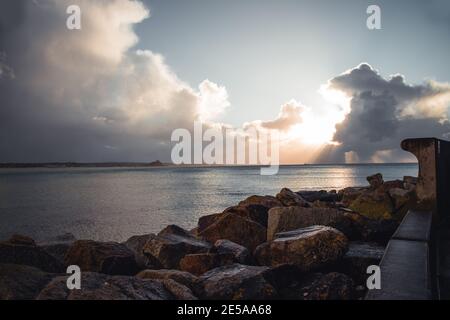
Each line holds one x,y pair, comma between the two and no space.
83,165
157,163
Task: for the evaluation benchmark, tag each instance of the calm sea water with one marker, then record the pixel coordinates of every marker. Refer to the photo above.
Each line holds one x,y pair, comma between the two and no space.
116,203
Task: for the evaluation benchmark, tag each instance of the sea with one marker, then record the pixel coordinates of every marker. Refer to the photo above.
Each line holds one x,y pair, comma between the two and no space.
113,204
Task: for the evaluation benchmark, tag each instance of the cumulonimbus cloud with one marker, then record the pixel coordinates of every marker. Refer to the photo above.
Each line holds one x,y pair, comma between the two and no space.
385,111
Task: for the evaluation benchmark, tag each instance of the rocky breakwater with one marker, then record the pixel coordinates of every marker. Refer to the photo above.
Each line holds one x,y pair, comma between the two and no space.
306,245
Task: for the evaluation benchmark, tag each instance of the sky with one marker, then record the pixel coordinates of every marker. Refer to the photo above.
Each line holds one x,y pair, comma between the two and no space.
116,90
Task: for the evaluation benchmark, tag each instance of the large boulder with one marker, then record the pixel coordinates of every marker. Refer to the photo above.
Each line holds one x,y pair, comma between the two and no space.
23,250
104,257
307,248
240,253
20,282
291,218
374,204
200,263
237,282
171,245
266,201
96,286
254,212
350,194
136,244
233,227
375,180
289,198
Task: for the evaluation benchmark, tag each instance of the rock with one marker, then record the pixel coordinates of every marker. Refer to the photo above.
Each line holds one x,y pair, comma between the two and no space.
23,250
410,183
171,245
179,291
400,196
332,286
348,195
284,278
254,212
359,256
388,185
379,231
235,228
322,196
291,218
19,282
58,246
375,180
185,278
200,263
240,253
62,238
266,201
237,282
96,286
136,244
57,250
21,240
307,248
289,198
374,204
104,257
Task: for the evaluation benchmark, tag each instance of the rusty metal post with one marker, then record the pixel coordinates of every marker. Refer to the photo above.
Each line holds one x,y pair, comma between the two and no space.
433,194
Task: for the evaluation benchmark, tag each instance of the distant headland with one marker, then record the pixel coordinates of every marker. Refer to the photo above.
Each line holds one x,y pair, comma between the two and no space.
156,163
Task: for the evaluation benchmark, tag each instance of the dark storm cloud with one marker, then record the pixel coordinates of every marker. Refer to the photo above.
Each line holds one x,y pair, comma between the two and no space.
383,112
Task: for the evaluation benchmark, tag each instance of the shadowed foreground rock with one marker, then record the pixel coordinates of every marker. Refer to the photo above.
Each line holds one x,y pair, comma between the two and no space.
23,250
19,282
96,286
307,248
237,282
104,257
171,245
332,286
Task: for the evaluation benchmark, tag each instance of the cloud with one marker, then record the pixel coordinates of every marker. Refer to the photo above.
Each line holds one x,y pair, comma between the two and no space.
383,112
290,115
88,95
